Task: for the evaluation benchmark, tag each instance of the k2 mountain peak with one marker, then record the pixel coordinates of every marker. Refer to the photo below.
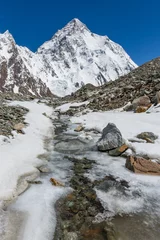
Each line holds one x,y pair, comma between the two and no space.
72,58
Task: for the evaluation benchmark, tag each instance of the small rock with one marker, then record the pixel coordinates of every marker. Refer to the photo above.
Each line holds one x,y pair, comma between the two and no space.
35,182
18,126
79,128
56,183
158,97
148,136
142,165
141,109
118,151
44,169
71,236
111,138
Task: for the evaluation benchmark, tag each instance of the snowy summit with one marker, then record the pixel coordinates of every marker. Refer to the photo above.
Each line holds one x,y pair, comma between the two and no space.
72,58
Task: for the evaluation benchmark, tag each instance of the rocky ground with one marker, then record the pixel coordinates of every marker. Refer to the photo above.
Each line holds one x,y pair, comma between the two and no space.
10,116
144,80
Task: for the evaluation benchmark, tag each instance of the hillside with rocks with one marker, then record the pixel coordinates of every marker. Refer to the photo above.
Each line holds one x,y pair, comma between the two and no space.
143,81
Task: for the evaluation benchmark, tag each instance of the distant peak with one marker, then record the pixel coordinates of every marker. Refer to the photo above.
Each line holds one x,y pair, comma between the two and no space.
7,35
76,23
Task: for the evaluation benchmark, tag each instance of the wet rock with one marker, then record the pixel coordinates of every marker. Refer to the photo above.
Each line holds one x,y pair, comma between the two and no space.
148,136
111,138
112,233
70,236
143,101
79,128
118,151
142,165
44,169
109,182
56,183
78,210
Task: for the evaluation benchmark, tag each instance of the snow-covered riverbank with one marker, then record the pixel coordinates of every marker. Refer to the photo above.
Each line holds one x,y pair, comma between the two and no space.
18,155
130,124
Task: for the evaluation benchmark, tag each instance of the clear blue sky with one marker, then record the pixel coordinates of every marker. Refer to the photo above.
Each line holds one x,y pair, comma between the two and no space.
133,24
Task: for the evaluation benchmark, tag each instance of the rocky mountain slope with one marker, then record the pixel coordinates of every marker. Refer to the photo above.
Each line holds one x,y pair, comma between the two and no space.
18,69
75,56
72,58
144,80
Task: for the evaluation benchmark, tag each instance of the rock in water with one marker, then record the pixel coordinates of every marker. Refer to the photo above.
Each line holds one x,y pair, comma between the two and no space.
56,183
111,138
143,166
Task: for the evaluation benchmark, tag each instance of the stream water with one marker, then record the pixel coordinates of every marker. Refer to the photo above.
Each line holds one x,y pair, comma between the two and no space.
134,211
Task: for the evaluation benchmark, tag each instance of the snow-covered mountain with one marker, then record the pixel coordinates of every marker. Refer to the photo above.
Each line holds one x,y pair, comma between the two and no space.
20,68
73,57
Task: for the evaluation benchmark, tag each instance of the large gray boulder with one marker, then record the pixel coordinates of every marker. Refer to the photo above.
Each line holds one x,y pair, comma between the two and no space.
111,138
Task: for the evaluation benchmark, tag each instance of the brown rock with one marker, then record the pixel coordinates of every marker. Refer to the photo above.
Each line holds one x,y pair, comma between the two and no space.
141,109
118,151
79,128
56,183
18,126
143,101
143,166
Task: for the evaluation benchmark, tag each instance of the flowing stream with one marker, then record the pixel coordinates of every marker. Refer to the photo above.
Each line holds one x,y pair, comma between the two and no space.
134,209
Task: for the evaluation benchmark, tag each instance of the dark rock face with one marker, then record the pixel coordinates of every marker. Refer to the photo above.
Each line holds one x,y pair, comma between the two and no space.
111,138
115,94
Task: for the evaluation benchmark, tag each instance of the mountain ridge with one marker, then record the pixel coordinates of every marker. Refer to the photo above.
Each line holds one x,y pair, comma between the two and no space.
73,57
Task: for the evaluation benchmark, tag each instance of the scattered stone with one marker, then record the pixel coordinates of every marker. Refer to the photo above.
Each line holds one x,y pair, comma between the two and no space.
77,211
136,140
118,151
11,117
83,105
111,138
79,128
18,126
70,236
35,182
128,107
56,183
158,97
143,101
44,169
141,109
142,165
148,136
